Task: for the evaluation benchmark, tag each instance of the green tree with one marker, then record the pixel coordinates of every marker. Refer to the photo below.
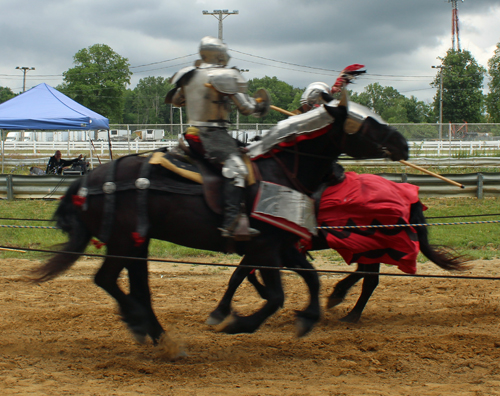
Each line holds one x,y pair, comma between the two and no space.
6,94
378,98
145,105
493,98
417,111
282,95
463,99
98,80
391,105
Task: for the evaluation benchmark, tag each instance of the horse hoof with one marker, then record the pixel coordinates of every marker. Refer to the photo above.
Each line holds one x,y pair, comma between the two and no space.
350,319
215,319
211,321
235,324
169,349
333,302
303,326
228,325
139,337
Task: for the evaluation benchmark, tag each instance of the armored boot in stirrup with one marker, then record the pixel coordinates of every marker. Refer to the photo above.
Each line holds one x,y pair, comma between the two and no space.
235,224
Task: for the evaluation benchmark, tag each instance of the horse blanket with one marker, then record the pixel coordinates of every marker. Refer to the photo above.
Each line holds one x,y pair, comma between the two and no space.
371,200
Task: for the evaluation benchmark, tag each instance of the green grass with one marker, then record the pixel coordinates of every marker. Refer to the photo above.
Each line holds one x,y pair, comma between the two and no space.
479,241
49,238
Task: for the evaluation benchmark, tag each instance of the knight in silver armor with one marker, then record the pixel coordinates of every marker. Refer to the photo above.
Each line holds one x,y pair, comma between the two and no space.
208,90
312,95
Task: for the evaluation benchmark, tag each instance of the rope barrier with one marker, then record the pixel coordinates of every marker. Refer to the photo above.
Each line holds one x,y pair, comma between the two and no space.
427,217
408,225
452,217
18,226
324,227
255,267
21,219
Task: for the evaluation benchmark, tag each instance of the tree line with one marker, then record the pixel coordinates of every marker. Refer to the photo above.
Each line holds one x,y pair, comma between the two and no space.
100,77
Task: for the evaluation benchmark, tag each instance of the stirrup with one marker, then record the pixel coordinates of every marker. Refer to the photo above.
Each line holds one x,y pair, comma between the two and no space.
241,230
252,232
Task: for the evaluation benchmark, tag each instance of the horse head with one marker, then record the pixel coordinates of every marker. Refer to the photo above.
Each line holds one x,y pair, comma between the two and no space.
367,135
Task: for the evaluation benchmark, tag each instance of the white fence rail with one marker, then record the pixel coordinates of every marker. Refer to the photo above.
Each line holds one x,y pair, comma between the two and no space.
427,148
75,147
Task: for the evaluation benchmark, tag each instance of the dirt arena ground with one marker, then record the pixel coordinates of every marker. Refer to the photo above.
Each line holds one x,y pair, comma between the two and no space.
417,336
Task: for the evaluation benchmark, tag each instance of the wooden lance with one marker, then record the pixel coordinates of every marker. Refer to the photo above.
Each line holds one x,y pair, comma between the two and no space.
13,250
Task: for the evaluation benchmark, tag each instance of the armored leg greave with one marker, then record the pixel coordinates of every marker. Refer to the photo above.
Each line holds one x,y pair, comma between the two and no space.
235,224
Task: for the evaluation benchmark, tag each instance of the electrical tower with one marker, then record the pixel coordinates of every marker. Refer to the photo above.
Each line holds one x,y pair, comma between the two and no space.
455,39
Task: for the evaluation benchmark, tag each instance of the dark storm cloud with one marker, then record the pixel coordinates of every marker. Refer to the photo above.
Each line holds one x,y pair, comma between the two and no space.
391,37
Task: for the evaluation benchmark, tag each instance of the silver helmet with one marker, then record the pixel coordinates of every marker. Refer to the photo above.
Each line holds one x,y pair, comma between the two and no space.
213,51
312,94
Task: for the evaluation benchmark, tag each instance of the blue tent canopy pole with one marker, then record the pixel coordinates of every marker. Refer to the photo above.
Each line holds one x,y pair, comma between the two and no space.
1,137
109,143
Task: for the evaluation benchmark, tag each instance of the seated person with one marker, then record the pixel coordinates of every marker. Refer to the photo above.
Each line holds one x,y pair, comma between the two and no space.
56,164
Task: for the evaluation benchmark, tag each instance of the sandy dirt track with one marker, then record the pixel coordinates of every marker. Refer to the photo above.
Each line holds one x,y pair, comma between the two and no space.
417,336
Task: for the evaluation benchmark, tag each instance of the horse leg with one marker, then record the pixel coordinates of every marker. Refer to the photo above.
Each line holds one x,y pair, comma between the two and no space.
223,310
272,280
261,289
370,283
307,318
140,292
133,313
342,288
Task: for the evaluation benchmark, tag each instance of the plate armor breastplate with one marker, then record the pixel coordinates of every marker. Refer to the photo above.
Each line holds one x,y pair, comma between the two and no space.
205,106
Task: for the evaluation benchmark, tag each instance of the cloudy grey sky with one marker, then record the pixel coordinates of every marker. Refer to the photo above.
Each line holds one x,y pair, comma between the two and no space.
297,41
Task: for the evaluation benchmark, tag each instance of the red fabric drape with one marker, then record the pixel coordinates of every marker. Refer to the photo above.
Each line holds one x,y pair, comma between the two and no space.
369,200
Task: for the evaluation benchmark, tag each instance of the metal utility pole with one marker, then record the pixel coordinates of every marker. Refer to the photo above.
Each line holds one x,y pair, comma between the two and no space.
440,67
454,24
24,69
220,15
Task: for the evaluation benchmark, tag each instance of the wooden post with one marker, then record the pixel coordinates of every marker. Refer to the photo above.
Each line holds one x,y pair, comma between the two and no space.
480,184
10,188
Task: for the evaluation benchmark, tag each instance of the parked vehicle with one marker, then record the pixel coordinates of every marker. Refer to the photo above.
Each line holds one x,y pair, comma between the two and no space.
150,134
114,134
18,136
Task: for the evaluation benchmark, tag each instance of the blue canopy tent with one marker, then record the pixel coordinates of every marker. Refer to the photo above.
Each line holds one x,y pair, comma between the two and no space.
45,108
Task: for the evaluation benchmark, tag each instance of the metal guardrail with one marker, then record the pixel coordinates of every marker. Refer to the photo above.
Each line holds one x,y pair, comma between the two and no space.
478,185
34,187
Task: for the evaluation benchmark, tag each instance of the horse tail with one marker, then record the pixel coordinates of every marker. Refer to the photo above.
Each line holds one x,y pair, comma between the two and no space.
68,219
439,255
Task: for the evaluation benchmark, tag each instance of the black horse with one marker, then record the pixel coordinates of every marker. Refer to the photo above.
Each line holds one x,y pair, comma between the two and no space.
186,219
440,256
